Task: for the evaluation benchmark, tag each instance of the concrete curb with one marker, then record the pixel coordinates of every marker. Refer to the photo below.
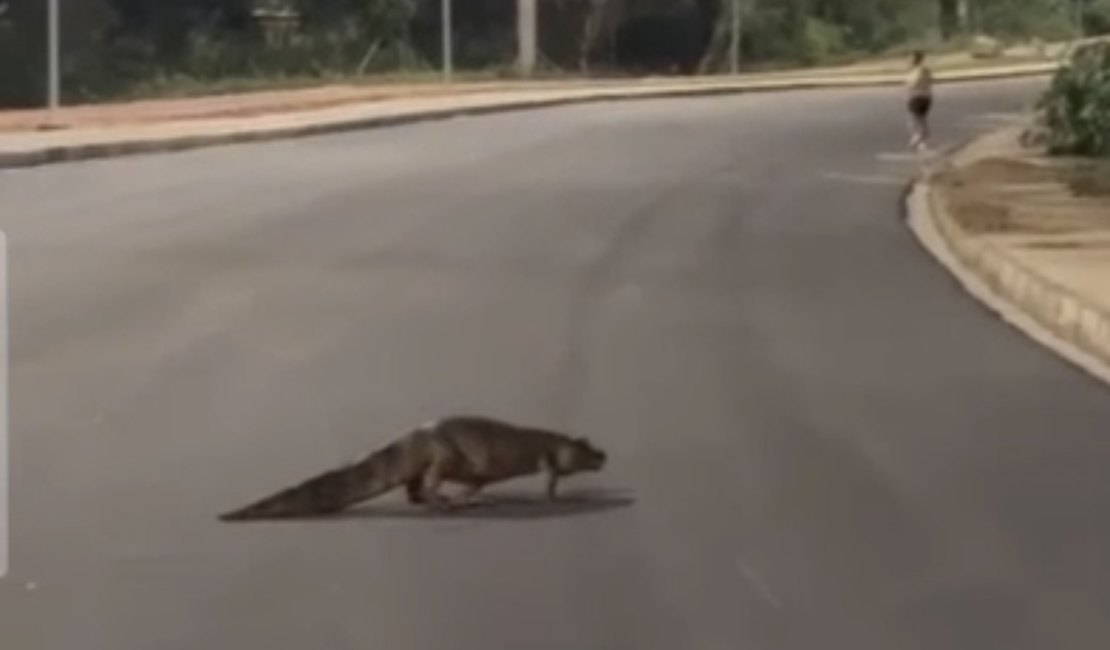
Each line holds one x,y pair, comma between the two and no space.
1040,308
243,134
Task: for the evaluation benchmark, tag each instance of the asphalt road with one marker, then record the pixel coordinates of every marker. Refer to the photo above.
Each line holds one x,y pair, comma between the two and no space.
816,440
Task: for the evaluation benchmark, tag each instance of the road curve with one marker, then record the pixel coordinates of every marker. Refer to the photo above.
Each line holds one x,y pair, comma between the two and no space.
817,441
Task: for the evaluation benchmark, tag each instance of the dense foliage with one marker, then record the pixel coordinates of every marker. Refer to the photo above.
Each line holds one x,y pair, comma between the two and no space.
1075,111
116,47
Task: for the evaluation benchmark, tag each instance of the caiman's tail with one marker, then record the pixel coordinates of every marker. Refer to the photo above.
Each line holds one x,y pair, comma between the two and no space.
337,489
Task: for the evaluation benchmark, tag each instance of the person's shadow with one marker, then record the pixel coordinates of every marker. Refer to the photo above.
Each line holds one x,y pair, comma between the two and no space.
500,504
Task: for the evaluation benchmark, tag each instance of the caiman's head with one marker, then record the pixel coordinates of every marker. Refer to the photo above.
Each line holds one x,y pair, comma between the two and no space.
581,456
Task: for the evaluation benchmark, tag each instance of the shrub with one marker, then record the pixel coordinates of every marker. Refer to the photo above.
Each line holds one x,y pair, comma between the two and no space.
1074,113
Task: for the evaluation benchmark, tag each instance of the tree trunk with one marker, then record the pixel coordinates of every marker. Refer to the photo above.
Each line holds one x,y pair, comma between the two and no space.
601,21
720,39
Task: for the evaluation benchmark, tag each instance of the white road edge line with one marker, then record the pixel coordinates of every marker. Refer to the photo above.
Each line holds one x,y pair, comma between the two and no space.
920,222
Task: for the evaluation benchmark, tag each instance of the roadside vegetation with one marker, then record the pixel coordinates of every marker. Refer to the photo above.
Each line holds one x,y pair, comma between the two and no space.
1073,121
1074,113
126,48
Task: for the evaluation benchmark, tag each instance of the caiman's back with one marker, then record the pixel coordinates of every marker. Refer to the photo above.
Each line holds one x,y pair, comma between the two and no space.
497,450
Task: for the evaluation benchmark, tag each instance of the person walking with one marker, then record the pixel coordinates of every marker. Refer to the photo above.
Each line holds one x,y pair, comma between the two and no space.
919,86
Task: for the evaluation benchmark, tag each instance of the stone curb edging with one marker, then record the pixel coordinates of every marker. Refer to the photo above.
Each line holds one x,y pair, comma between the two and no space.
123,147
1050,314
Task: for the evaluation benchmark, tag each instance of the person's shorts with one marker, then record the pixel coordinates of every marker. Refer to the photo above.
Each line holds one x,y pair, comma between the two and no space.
919,106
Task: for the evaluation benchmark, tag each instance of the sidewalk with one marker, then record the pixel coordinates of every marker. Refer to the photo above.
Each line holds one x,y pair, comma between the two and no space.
166,125
1035,235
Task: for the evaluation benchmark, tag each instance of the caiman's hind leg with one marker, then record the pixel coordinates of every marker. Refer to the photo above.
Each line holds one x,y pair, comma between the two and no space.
415,491
432,481
414,488
471,490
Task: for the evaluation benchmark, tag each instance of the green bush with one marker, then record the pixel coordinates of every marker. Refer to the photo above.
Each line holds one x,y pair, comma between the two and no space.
1074,113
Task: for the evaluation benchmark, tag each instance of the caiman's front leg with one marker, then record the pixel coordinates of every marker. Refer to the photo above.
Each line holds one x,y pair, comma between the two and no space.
552,484
552,478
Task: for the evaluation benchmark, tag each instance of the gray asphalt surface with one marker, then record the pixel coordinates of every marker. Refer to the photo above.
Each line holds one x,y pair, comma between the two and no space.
816,440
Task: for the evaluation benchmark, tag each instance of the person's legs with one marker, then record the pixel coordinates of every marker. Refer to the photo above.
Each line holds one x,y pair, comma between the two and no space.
915,130
919,124
926,105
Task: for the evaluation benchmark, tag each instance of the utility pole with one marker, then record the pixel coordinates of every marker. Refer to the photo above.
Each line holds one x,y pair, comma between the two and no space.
526,27
448,54
734,43
53,56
